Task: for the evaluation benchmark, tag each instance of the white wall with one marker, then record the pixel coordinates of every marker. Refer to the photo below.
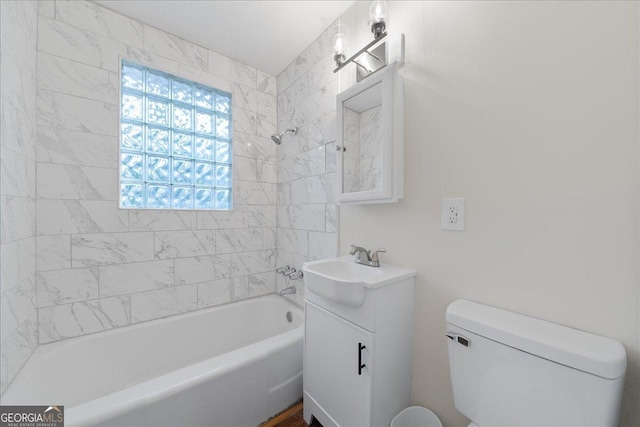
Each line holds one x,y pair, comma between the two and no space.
100,267
528,110
18,316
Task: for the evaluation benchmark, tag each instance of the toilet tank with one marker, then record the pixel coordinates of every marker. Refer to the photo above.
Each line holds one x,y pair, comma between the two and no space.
513,370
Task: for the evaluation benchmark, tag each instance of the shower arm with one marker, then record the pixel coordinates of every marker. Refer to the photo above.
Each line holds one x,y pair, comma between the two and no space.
293,130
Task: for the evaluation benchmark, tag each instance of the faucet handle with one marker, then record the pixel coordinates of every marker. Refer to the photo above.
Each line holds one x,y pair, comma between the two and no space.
374,257
356,248
281,269
297,275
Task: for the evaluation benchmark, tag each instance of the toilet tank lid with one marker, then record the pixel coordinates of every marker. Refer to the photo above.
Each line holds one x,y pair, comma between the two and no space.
571,347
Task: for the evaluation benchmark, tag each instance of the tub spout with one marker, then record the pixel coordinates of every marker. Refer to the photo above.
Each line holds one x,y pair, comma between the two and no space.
287,291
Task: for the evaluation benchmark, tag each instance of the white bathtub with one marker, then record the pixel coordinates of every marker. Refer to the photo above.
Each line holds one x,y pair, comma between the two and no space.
234,365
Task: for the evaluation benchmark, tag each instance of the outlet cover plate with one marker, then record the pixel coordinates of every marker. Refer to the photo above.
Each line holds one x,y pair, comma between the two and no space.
452,214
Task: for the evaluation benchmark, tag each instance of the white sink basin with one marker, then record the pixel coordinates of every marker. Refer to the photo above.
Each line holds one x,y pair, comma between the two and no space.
344,281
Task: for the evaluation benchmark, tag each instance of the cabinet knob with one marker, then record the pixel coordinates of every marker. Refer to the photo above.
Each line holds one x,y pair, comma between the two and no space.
360,364
340,148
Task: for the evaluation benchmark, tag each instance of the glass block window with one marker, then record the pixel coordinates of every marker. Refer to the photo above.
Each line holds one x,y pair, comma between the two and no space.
175,142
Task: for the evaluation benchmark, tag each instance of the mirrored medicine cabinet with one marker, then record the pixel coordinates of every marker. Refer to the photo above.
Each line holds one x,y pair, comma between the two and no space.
370,139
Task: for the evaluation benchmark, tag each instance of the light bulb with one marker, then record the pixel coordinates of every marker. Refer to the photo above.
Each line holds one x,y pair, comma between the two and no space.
378,11
377,15
340,43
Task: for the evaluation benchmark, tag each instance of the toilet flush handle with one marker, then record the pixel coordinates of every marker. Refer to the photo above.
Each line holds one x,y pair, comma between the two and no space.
458,338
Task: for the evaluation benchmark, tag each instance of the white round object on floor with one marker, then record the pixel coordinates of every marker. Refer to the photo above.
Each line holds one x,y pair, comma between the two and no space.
416,416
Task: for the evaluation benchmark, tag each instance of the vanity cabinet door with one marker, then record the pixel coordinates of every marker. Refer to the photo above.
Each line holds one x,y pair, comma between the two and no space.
335,350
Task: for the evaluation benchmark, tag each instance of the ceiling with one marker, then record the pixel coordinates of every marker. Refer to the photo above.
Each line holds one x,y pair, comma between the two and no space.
267,35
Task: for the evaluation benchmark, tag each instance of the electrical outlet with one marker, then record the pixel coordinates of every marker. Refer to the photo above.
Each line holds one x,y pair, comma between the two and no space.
452,214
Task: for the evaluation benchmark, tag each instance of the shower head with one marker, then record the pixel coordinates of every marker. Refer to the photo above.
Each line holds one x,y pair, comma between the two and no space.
277,138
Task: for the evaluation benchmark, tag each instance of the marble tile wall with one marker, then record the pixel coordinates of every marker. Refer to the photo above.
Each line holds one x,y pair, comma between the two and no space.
306,172
100,267
18,315
363,155
351,157
370,167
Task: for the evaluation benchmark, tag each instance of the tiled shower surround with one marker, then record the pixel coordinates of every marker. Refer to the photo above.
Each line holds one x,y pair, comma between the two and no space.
307,91
18,316
101,267
72,262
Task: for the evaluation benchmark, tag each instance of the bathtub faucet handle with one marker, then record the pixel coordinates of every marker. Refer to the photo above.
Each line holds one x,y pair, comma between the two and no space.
289,271
296,275
282,269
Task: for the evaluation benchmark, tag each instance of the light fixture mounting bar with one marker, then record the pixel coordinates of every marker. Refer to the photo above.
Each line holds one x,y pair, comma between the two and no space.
360,52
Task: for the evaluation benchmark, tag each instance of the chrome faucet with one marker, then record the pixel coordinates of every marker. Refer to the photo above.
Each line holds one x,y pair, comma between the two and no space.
290,272
287,291
295,275
366,257
283,269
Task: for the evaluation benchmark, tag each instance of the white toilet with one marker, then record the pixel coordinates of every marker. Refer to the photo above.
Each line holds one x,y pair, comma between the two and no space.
512,370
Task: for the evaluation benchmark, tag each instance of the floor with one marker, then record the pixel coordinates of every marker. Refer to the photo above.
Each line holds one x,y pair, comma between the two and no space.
291,417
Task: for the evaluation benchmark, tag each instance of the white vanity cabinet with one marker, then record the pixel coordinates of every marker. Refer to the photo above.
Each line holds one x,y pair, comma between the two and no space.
339,362
358,359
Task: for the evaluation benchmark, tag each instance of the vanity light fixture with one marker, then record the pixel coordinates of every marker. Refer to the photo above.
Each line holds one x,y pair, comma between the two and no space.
369,59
